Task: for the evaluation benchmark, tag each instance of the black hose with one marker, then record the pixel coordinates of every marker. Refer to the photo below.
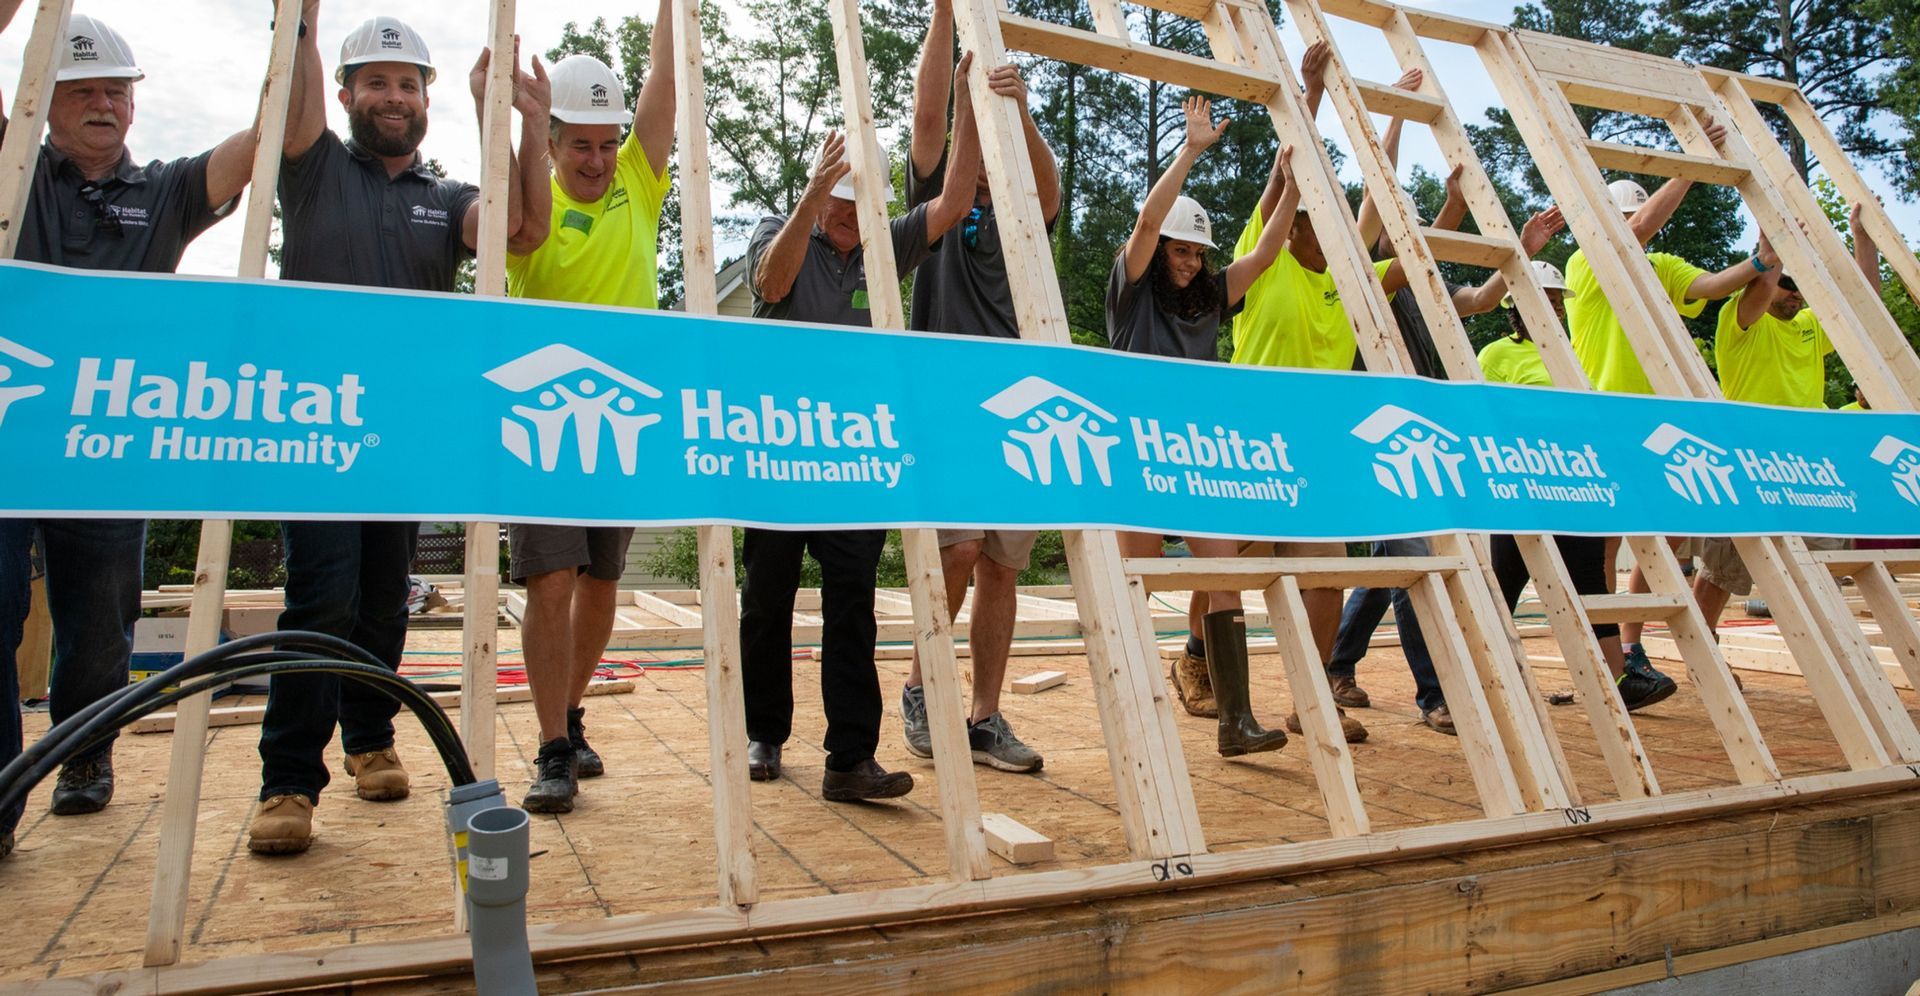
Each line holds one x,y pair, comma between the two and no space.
224,665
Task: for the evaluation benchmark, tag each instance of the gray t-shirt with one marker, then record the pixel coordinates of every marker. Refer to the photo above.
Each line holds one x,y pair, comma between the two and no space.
1414,332
138,218
1137,324
831,289
348,223
963,286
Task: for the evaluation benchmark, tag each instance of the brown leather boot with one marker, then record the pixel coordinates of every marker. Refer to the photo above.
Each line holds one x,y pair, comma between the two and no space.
1349,727
283,824
378,776
1348,693
1190,681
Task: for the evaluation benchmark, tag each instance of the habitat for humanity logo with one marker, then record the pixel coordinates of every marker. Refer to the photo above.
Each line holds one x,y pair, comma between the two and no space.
561,381
1902,456
1694,470
1416,448
10,353
1055,420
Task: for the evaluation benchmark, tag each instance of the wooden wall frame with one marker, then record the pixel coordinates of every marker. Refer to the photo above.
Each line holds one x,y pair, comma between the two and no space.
1512,750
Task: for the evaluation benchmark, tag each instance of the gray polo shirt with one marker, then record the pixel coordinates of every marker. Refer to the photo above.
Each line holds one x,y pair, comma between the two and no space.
346,222
1137,324
832,289
963,286
138,218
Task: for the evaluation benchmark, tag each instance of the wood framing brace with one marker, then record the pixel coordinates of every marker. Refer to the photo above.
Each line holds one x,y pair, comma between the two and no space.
1511,749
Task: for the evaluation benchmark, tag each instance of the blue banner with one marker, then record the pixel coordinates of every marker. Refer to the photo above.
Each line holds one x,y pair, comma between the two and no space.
166,396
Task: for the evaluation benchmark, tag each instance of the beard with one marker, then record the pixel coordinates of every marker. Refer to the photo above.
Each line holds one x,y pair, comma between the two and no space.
367,134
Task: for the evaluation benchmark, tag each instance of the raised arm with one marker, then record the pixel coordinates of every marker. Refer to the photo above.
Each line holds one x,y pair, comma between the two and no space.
962,182
1201,134
307,89
8,8
1534,236
532,97
1866,255
1242,272
1005,81
1369,217
1714,286
1662,203
1760,293
932,84
653,108
780,264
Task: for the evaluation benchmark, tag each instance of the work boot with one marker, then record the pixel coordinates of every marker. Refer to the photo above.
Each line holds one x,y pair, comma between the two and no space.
763,761
1239,732
283,824
378,776
913,718
1350,728
1348,693
555,779
589,763
1190,681
867,780
1440,720
84,786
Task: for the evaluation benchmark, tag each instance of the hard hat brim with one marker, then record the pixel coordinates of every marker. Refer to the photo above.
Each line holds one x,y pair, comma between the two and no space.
591,117
428,73
1186,236
82,73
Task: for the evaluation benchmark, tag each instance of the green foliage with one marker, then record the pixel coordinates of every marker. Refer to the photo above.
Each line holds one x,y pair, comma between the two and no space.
678,558
173,549
1893,293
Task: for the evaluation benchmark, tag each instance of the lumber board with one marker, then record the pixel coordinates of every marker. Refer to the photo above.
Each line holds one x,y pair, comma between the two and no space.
1216,574
1014,841
1632,607
1660,162
1055,41
1466,247
250,715
1394,102
637,932
31,99
1038,682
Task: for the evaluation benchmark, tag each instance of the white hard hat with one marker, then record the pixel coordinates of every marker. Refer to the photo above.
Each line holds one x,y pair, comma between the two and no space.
95,51
586,92
1628,196
1548,275
383,39
844,189
1187,221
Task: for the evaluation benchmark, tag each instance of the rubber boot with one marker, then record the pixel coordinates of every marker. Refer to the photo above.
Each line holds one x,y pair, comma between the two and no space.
1227,665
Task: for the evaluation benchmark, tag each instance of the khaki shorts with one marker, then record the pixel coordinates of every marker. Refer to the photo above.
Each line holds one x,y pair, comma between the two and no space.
1721,566
1010,548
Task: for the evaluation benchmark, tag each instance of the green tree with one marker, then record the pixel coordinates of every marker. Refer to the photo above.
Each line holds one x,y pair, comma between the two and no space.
1893,293
1899,89
1833,50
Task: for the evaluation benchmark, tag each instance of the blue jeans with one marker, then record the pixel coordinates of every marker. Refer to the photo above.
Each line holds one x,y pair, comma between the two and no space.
1362,615
93,594
344,579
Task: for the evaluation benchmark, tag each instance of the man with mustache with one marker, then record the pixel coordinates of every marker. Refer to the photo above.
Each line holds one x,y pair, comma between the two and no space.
92,206
368,211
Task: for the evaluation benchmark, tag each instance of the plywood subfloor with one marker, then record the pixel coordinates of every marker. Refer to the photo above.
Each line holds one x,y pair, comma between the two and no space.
639,840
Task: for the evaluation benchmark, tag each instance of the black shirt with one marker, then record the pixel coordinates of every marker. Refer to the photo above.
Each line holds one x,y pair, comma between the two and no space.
347,222
138,218
963,286
1416,335
831,289
1136,323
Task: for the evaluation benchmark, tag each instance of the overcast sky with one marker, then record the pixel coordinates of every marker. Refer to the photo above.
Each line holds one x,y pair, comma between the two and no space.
204,60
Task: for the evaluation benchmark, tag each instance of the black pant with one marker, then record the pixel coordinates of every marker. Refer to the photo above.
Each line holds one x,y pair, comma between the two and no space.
344,579
849,686
1587,567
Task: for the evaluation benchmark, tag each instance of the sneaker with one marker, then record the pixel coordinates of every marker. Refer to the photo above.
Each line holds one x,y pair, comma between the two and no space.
995,745
283,824
1348,693
555,779
590,765
84,786
1440,720
1643,686
378,776
913,716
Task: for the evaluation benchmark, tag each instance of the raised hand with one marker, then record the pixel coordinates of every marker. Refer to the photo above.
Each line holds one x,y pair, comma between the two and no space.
1540,230
1314,62
477,79
1005,81
828,168
532,93
1454,193
1201,131
962,79
1283,163
1716,132
1765,254
1409,80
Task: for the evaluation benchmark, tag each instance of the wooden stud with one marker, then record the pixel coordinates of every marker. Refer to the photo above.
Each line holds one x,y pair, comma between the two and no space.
1326,745
1120,55
1014,841
173,865
1038,682
34,659
1896,621
1487,761
21,151
933,636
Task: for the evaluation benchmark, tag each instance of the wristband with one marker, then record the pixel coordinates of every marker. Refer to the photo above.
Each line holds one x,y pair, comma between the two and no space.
1758,266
